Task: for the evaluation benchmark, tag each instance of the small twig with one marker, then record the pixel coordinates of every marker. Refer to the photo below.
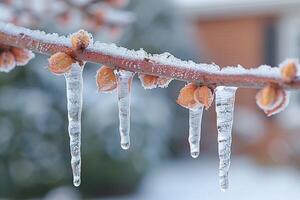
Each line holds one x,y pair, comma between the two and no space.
139,61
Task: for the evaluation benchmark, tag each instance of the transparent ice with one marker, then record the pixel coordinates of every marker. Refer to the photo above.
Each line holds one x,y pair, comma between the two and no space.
124,84
195,118
225,97
74,99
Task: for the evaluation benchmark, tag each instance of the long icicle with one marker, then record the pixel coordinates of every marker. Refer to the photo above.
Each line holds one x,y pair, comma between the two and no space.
195,118
225,97
74,97
124,85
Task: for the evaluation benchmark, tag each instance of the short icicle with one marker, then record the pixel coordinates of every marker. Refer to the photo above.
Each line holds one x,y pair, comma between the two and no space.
74,84
124,79
195,118
225,97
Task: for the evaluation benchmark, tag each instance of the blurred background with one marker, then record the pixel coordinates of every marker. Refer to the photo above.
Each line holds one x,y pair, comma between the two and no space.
34,144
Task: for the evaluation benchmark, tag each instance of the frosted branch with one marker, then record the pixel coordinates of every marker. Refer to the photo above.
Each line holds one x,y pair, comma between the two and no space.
164,65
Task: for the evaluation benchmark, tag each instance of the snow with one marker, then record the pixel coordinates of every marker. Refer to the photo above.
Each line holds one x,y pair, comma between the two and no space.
130,55
74,97
124,79
53,38
195,118
225,97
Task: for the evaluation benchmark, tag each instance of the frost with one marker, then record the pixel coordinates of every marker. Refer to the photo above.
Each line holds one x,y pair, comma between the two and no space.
7,61
163,82
140,55
225,97
74,84
35,34
195,118
124,79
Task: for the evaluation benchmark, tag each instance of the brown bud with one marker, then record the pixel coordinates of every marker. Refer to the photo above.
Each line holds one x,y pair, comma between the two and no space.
60,63
266,96
272,99
7,61
106,79
148,81
22,56
80,40
204,96
289,70
186,96
163,82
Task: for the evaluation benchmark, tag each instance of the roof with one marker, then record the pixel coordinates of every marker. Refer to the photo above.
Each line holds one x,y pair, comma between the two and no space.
214,8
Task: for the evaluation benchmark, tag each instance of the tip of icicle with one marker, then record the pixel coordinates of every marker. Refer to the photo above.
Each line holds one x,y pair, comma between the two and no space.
125,146
195,154
76,183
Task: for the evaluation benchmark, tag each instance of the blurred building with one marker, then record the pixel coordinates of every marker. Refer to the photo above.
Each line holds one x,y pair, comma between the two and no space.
250,33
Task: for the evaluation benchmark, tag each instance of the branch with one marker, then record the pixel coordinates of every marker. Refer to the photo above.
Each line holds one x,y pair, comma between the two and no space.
164,64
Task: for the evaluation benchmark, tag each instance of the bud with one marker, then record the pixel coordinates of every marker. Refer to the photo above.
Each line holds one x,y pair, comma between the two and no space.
148,81
289,70
80,40
204,96
266,96
60,63
186,96
106,79
22,56
7,61
272,100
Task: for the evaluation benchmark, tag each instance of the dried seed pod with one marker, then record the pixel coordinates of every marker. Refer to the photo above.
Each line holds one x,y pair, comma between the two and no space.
204,96
60,63
148,81
22,56
80,40
186,96
7,61
106,79
163,82
272,99
289,70
266,96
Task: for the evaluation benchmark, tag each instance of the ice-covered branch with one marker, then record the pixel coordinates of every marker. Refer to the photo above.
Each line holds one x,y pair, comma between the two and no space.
164,65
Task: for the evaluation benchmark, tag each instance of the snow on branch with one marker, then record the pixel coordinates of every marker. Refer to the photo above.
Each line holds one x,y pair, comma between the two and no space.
163,65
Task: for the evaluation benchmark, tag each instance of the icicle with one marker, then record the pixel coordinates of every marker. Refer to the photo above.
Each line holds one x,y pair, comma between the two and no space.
195,117
74,97
124,84
225,97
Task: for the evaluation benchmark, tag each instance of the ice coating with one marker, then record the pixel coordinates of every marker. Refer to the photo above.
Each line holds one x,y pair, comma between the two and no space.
124,79
74,84
195,118
225,97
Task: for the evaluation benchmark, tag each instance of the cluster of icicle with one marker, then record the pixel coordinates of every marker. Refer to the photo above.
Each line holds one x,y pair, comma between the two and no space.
194,96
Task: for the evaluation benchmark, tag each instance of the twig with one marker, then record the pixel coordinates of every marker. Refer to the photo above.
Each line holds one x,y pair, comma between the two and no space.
139,61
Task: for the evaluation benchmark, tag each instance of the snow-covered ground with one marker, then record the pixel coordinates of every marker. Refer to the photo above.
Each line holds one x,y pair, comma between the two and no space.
198,179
